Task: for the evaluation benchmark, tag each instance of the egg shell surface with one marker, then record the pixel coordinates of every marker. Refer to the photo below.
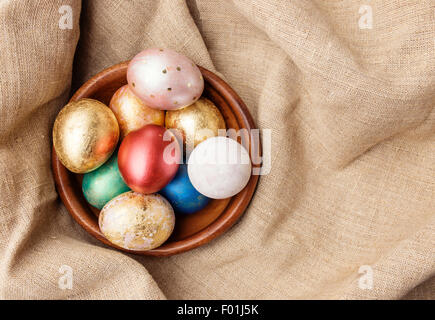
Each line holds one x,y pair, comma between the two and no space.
181,194
219,167
103,184
164,79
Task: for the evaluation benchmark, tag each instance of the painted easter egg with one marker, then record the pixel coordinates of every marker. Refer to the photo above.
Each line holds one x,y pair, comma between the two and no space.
148,158
85,134
137,221
165,79
219,167
132,113
181,194
103,184
196,122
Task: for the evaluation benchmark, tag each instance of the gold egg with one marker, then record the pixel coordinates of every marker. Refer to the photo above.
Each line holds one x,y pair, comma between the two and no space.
197,122
137,221
132,113
85,134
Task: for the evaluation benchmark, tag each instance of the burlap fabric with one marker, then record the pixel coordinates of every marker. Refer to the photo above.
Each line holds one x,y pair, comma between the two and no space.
351,191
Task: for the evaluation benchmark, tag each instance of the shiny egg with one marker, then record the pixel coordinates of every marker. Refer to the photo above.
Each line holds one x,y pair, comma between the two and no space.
85,134
136,221
132,113
196,122
103,184
181,194
219,167
148,158
164,79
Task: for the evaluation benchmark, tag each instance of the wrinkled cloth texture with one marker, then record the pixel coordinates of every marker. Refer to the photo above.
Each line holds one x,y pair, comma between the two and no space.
352,181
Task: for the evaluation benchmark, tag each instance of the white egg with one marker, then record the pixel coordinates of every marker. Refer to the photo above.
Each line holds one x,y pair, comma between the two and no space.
219,167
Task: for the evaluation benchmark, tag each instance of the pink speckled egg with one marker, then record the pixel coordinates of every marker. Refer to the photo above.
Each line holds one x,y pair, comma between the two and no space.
165,79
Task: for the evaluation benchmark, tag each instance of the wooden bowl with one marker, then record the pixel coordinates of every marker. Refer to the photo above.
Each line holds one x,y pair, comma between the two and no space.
190,231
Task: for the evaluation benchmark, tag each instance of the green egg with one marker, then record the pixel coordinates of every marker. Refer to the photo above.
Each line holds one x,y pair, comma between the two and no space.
102,185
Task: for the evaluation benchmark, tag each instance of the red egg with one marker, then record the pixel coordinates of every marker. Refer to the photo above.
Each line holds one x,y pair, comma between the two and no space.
148,158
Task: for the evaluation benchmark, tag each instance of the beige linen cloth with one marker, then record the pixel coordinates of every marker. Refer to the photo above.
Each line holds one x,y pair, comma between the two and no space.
351,192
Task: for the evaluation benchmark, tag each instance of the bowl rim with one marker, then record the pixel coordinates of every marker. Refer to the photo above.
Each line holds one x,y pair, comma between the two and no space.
234,210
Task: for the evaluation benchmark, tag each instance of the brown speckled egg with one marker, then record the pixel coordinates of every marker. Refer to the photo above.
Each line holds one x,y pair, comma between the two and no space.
137,221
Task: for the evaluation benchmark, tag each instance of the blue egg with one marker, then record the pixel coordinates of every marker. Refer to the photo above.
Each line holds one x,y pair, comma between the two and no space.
182,195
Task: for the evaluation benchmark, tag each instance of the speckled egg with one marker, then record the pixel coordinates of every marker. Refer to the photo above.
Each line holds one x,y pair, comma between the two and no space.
132,113
137,221
219,167
102,185
181,194
164,79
